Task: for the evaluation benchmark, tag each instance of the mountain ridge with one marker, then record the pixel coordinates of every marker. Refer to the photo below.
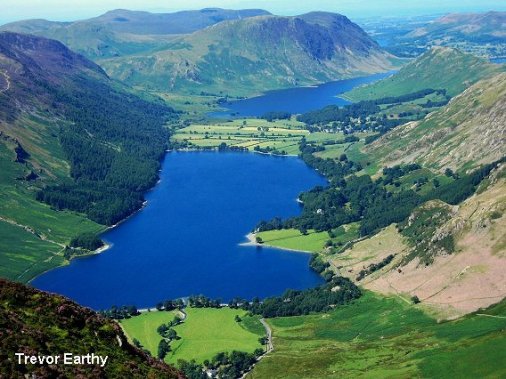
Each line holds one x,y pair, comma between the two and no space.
257,53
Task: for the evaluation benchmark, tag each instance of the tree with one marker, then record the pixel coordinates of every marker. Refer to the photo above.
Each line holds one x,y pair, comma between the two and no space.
259,239
162,329
172,334
163,349
237,318
415,299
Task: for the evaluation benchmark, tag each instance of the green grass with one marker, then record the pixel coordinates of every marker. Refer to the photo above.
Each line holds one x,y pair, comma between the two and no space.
450,69
293,239
204,333
381,337
282,135
35,245
143,328
208,331
23,255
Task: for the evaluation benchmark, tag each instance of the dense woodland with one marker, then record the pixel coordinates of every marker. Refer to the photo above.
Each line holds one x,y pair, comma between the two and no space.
114,145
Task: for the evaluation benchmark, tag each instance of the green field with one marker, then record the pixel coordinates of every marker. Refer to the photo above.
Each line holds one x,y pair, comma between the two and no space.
23,255
204,333
281,135
143,328
312,242
379,337
208,331
293,239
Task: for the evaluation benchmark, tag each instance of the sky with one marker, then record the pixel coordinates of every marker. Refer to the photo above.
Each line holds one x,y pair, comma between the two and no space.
70,10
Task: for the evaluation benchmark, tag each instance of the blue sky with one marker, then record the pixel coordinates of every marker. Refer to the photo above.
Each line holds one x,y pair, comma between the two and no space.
12,10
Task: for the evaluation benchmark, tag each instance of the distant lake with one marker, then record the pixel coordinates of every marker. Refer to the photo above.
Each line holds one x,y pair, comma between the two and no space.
186,240
296,100
498,60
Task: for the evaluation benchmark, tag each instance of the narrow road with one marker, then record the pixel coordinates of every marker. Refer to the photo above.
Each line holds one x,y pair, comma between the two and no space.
268,330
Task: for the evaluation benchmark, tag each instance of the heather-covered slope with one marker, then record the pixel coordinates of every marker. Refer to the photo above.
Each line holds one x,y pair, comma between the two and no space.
37,323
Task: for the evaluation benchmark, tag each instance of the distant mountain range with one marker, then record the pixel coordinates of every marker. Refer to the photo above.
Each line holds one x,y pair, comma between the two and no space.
220,51
256,54
121,32
479,33
453,28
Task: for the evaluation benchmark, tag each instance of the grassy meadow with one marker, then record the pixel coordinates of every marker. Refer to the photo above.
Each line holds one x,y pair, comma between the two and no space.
312,241
282,135
380,337
143,328
204,333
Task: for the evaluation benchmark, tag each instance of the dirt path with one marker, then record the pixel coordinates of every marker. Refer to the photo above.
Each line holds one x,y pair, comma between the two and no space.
268,330
7,82
31,231
493,316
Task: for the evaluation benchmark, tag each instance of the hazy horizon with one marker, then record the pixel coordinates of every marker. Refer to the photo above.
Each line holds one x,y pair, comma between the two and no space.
61,10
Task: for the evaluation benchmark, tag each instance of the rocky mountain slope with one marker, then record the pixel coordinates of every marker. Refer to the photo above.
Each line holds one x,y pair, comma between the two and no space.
36,323
469,131
256,54
452,258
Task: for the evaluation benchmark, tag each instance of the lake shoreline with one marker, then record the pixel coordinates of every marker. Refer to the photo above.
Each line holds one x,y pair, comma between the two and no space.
251,237
221,176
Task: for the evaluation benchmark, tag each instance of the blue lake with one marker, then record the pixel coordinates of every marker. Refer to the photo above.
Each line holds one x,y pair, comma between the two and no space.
186,240
296,100
498,60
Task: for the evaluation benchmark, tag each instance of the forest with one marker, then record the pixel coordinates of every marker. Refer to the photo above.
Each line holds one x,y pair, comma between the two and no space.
114,144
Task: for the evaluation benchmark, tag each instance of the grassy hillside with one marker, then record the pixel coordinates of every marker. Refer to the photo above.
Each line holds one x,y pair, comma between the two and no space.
244,57
468,132
438,68
34,322
386,337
